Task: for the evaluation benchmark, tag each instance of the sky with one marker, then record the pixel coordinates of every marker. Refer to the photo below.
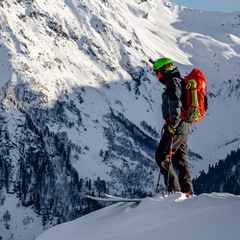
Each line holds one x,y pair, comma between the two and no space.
207,216
211,5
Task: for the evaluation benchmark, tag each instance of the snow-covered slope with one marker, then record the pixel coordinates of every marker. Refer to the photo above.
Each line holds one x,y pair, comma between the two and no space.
80,106
207,216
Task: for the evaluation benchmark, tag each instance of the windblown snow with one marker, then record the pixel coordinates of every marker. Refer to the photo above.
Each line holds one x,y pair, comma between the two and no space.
207,216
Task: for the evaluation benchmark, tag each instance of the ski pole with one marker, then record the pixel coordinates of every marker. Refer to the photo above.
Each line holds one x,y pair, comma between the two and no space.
162,130
170,160
159,176
158,182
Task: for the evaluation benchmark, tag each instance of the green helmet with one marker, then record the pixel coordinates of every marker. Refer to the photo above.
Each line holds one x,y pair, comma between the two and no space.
161,62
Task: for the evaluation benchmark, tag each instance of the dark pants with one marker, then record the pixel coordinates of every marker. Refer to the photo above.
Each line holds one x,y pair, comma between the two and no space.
176,175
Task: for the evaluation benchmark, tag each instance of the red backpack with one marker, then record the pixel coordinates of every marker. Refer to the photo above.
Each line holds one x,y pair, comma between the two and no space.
195,101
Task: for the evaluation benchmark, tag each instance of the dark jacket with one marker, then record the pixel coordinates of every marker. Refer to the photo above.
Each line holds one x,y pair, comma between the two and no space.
172,99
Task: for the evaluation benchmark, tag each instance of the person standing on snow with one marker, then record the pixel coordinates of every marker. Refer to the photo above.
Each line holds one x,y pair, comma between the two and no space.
172,100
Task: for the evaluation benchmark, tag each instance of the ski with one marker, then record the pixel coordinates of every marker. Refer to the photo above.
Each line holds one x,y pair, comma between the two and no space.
110,198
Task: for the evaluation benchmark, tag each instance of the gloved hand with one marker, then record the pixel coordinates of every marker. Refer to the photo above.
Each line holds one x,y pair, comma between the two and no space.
172,128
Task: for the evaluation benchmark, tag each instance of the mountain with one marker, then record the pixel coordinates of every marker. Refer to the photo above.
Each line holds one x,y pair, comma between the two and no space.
81,108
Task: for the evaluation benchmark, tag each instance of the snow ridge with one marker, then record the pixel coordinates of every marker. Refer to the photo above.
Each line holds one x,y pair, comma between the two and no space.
207,216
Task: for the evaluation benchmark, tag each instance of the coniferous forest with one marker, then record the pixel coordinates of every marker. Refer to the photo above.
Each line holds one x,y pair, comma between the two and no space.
223,177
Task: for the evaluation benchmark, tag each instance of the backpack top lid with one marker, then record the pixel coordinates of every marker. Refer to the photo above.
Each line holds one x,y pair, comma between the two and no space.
161,62
196,74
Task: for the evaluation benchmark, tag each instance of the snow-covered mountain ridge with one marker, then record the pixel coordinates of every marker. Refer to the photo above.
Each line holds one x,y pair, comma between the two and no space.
80,106
172,217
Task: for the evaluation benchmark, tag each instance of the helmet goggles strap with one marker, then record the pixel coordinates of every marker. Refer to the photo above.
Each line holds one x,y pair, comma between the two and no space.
161,71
